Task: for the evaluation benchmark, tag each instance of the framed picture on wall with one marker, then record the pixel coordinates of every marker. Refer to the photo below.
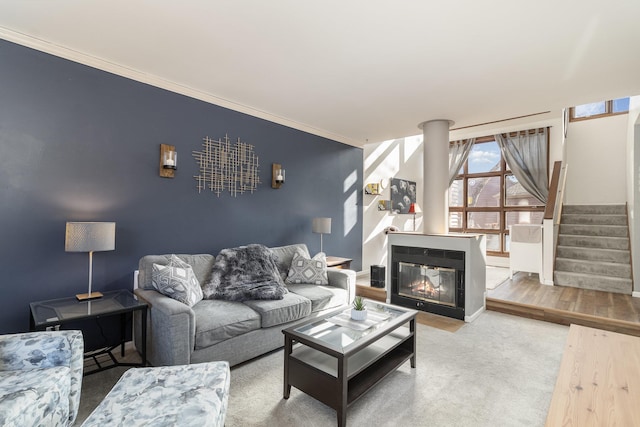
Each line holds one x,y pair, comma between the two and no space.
403,193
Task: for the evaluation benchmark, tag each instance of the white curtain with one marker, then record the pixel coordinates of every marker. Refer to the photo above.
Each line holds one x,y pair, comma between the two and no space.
526,155
458,154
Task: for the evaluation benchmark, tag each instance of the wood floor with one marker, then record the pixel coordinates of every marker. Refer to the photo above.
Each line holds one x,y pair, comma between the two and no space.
525,296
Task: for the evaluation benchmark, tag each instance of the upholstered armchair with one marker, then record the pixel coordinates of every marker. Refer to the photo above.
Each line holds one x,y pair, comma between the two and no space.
40,378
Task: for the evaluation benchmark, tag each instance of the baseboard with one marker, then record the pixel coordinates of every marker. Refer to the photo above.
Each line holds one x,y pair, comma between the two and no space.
474,316
547,282
635,294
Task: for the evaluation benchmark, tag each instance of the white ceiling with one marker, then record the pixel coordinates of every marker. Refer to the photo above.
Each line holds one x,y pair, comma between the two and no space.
352,70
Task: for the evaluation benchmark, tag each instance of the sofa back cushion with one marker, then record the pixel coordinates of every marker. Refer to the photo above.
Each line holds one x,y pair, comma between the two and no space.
284,255
201,265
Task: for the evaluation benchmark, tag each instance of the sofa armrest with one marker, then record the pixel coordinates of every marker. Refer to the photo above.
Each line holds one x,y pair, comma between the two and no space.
171,329
38,350
344,279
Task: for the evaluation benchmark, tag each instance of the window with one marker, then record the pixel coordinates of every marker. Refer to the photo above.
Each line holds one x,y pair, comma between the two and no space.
487,198
599,109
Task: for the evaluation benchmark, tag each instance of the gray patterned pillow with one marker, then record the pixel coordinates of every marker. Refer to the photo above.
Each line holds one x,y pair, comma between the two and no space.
304,270
177,280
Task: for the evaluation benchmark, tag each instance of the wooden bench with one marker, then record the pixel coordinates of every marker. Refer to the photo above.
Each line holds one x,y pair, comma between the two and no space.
599,380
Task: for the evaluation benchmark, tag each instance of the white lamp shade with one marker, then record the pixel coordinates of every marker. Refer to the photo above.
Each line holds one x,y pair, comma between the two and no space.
321,225
90,237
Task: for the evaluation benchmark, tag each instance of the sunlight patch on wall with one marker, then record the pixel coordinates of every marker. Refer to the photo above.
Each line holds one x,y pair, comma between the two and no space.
377,230
350,212
377,152
411,144
386,167
350,181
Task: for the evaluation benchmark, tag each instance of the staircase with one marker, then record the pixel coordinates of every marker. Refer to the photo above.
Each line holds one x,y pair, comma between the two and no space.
593,249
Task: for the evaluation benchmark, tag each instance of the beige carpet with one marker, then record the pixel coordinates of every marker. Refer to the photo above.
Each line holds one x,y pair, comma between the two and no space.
499,370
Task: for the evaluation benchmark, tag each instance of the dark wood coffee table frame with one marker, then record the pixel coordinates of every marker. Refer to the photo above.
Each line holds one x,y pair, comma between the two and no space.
338,377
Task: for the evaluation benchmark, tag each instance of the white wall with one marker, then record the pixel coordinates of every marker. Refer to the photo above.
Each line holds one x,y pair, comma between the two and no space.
597,161
402,158
633,186
398,158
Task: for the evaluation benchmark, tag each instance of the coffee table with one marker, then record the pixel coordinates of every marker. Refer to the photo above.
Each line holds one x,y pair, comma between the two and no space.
336,360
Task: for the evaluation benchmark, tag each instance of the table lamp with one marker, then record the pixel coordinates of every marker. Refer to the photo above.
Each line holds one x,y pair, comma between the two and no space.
90,237
321,226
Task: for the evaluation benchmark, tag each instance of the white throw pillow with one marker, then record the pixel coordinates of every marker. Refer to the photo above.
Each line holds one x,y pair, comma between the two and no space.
177,280
304,270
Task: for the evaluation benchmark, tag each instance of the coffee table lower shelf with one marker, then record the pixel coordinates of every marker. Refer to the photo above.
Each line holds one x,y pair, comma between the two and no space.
338,380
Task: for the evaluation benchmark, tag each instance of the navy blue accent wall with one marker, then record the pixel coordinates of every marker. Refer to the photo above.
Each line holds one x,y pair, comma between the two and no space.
79,144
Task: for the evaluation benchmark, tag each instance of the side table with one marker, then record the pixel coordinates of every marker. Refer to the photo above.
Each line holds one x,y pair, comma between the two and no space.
337,262
58,312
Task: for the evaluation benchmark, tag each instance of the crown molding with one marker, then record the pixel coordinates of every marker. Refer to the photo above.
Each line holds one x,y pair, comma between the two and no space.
153,80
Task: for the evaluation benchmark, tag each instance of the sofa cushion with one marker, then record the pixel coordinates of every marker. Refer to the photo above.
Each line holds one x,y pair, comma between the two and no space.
321,297
284,255
177,281
311,271
201,265
35,397
245,273
218,320
276,312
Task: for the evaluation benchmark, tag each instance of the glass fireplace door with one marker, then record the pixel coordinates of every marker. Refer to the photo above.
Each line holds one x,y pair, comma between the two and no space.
427,283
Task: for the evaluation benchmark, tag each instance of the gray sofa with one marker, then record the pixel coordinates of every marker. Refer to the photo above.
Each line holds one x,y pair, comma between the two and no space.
234,331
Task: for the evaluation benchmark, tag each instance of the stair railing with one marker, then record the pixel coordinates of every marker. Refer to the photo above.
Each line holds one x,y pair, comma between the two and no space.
553,210
551,221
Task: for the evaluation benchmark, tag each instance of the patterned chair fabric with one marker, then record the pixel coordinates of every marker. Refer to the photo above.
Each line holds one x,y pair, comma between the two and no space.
40,378
185,395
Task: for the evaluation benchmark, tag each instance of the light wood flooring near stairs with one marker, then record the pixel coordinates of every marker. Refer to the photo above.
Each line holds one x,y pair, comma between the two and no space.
525,296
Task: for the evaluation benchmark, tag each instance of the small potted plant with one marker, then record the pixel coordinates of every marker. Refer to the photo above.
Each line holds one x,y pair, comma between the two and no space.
359,310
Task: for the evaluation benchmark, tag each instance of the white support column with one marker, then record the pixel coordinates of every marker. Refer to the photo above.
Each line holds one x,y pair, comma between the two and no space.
436,176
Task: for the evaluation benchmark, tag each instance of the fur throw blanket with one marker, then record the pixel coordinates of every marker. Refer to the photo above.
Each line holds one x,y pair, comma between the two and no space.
245,273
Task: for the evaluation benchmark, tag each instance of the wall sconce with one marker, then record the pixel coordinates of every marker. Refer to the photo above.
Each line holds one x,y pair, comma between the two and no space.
168,160
277,175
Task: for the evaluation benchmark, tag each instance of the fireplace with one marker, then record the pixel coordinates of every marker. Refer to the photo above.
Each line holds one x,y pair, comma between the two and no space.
429,280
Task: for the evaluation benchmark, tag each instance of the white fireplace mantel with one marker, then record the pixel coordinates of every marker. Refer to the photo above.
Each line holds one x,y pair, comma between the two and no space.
475,248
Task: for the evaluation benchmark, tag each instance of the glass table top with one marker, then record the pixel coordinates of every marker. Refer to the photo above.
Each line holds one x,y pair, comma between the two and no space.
340,331
54,311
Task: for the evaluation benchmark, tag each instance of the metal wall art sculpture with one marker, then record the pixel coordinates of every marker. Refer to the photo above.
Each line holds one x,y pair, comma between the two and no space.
226,166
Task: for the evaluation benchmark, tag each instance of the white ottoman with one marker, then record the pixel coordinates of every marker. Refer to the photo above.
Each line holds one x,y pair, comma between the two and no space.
185,395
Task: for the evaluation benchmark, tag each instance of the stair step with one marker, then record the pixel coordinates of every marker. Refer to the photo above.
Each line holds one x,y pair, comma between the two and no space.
601,242
594,230
595,209
594,254
592,219
610,269
594,282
